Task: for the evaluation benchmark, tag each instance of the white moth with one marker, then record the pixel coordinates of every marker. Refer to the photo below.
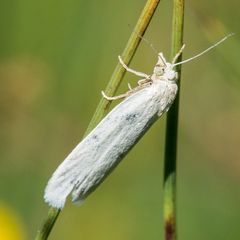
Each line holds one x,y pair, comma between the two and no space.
99,153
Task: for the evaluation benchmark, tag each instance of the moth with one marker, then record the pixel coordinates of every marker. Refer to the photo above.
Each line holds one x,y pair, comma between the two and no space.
105,146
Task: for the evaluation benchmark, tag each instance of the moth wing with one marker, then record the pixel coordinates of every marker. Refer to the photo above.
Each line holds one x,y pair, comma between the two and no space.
94,157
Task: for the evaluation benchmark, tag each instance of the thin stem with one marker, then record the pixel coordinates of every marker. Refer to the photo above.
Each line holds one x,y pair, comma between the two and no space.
171,132
110,90
127,56
48,224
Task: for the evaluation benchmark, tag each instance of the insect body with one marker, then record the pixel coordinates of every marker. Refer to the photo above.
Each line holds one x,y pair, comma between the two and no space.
99,152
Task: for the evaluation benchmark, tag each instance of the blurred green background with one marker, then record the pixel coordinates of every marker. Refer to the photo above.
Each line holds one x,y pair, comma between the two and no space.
56,57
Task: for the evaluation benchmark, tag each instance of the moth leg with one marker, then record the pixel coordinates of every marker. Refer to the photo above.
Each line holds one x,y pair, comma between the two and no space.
115,97
140,74
178,54
129,86
143,81
141,85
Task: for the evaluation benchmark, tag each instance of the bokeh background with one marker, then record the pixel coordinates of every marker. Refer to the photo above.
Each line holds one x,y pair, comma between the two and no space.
55,57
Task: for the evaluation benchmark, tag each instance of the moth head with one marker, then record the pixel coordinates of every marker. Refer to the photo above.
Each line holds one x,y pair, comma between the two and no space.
164,70
169,73
159,68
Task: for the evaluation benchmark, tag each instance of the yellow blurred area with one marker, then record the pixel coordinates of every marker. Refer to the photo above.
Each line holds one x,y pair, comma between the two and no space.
10,225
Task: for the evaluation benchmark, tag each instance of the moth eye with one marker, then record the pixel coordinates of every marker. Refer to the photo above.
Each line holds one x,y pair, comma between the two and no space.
161,70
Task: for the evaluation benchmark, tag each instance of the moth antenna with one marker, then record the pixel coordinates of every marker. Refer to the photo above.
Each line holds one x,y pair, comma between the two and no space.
178,54
147,41
203,52
160,55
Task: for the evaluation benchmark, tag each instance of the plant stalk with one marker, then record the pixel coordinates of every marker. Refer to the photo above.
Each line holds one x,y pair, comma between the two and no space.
103,106
127,56
170,161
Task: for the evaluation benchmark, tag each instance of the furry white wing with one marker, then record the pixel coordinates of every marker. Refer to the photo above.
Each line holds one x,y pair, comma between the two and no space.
99,152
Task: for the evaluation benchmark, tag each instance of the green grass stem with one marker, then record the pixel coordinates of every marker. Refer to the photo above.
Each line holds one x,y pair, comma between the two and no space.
172,130
103,106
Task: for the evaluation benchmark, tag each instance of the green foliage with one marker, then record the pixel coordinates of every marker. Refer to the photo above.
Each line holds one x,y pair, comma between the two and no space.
56,57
